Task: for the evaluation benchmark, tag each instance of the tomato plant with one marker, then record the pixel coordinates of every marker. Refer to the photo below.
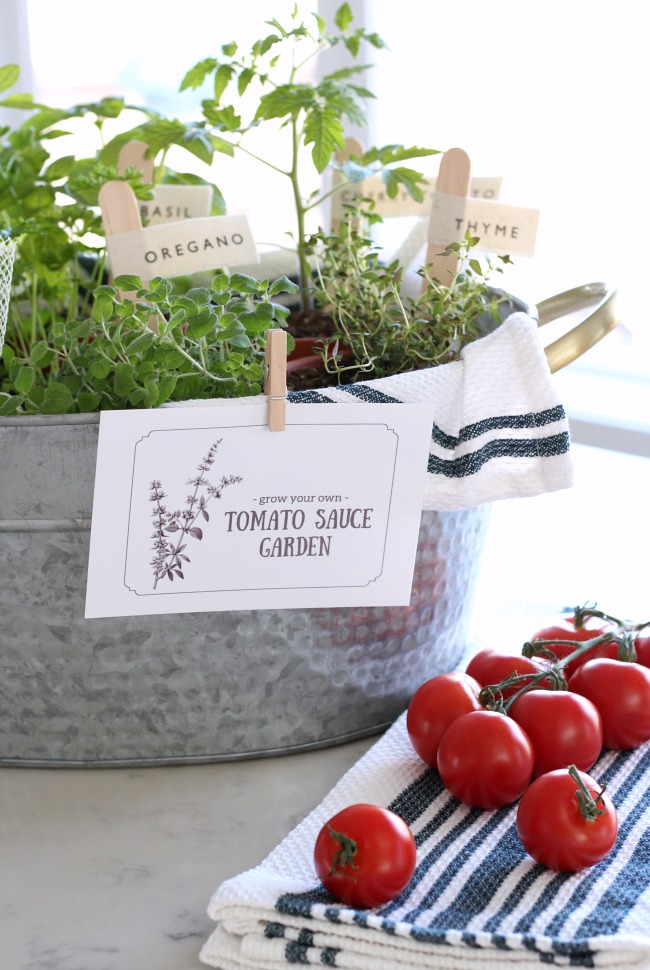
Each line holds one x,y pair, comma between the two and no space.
433,707
485,759
365,855
565,821
490,666
565,728
621,692
563,628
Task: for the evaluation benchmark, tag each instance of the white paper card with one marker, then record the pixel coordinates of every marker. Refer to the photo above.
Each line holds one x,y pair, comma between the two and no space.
172,203
482,187
178,248
502,229
204,509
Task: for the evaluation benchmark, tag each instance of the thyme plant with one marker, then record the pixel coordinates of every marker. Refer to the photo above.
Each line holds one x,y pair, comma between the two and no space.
383,331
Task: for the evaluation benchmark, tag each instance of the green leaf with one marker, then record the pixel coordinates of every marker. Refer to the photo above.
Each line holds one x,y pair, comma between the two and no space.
388,154
24,102
324,130
198,142
40,353
222,78
199,295
343,17
103,309
285,101
283,285
242,283
166,388
244,79
9,74
108,107
222,118
88,401
60,168
10,403
24,379
394,177
201,324
127,283
124,380
100,368
58,399
141,343
220,283
262,47
196,75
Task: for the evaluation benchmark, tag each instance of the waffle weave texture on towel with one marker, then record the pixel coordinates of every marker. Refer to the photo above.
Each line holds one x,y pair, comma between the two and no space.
476,898
499,431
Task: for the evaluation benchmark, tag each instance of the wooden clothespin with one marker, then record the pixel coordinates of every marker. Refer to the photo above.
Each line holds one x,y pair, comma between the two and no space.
134,155
453,179
275,385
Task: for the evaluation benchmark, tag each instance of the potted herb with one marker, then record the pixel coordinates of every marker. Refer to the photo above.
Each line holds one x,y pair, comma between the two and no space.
199,686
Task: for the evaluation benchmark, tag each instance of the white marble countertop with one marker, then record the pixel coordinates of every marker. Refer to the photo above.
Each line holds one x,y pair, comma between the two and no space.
112,869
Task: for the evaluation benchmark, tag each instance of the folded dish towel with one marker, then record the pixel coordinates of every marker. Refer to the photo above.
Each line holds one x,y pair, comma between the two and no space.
476,898
499,428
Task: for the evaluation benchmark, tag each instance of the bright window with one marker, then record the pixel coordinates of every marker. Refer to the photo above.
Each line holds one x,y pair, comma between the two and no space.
551,98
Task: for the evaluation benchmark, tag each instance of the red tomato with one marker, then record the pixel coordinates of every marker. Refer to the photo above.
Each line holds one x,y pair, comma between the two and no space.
490,666
485,759
553,829
565,728
642,647
365,855
563,628
621,692
434,706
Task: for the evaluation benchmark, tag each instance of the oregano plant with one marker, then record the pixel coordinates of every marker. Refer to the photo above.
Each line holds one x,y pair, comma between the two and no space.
160,346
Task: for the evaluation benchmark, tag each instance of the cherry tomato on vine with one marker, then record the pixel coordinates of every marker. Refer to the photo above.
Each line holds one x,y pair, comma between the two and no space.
563,628
564,728
621,692
555,828
485,759
642,647
365,855
490,666
433,707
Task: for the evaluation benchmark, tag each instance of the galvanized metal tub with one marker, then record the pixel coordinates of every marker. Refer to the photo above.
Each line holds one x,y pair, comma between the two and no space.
202,686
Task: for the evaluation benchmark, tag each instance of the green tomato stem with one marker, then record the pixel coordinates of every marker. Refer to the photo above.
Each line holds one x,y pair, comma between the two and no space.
494,692
590,808
345,854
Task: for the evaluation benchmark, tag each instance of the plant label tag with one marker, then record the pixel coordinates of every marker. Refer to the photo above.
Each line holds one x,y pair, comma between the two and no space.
501,229
172,203
403,204
180,248
201,509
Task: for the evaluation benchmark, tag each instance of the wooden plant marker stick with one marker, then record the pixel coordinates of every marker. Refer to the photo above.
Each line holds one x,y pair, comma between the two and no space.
453,179
121,213
134,154
275,385
352,147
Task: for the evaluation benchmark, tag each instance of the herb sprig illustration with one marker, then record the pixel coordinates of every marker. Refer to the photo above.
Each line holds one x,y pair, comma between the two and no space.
169,554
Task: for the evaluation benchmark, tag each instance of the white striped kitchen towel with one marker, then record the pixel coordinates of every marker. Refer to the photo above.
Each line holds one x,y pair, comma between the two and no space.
476,900
500,430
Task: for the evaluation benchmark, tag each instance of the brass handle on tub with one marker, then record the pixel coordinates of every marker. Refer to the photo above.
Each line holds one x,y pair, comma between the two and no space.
603,318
